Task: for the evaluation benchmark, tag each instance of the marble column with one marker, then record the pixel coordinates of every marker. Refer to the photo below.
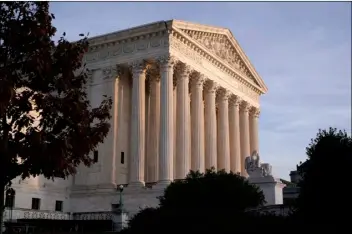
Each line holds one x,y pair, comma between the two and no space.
147,121
197,124
253,128
235,147
210,125
111,76
183,122
174,125
223,130
244,133
137,125
166,121
153,134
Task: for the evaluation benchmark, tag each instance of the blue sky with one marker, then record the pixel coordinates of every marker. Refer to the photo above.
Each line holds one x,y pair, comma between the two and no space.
301,50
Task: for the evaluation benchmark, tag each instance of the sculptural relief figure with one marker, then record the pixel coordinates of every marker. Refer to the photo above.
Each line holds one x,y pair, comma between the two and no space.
252,164
266,169
207,42
254,168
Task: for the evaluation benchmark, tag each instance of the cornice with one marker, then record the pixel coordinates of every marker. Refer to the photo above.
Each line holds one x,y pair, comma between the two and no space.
217,62
200,27
246,60
130,34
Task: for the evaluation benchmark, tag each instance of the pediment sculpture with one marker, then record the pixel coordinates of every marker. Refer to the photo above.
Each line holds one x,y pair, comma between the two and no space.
220,45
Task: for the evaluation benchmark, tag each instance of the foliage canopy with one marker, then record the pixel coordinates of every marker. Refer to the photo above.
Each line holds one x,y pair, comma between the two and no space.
46,123
202,202
325,175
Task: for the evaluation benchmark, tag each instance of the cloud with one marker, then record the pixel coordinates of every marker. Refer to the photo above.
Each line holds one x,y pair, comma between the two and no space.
301,50
311,89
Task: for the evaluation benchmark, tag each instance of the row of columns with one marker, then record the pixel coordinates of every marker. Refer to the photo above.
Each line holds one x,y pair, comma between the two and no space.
222,128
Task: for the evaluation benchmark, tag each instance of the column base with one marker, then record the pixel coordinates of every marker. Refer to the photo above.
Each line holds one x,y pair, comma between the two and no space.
162,184
136,184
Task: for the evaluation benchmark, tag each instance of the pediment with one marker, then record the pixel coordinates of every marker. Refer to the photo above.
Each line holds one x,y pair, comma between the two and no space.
220,43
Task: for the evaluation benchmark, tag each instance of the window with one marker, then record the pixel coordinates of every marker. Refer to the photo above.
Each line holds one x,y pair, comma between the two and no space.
10,200
122,157
58,205
35,203
95,156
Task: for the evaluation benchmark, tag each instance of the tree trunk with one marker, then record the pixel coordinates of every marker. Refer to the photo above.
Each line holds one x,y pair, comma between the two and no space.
2,206
3,162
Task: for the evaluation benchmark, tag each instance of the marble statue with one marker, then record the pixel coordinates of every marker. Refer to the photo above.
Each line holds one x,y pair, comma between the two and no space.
256,169
252,164
252,161
266,167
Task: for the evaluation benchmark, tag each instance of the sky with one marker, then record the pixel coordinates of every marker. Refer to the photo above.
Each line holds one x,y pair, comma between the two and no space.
302,51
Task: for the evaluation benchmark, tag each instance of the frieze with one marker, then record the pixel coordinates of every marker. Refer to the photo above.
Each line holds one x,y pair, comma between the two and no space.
111,50
155,42
143,45
129,48
186,51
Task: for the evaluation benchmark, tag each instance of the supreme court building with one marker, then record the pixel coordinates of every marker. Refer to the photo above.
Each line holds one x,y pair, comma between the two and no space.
185,96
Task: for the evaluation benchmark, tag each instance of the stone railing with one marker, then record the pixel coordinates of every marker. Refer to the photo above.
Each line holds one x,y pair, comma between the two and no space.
278,209
20,213
103,215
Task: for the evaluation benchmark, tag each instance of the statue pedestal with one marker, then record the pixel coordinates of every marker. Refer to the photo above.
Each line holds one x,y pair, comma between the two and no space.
271,187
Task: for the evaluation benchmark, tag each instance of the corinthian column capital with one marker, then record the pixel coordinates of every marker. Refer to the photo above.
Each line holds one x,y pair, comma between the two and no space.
89,73
223,94
110,72
137,66
211,86
235,100
255,112
197,79
121,71
166,60
182,70
245,106
153,72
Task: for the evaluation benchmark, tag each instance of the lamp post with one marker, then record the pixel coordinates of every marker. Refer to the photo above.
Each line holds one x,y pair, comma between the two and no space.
10,194
121,203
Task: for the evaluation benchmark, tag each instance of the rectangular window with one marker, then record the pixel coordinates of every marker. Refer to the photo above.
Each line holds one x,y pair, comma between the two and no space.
95,156
58,205
9,201
122,157
35,204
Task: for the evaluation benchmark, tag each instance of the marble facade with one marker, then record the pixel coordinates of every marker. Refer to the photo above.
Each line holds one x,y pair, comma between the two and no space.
185,96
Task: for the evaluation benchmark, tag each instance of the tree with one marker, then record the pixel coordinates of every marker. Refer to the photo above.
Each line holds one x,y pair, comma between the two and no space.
323,196
202,202
47,126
